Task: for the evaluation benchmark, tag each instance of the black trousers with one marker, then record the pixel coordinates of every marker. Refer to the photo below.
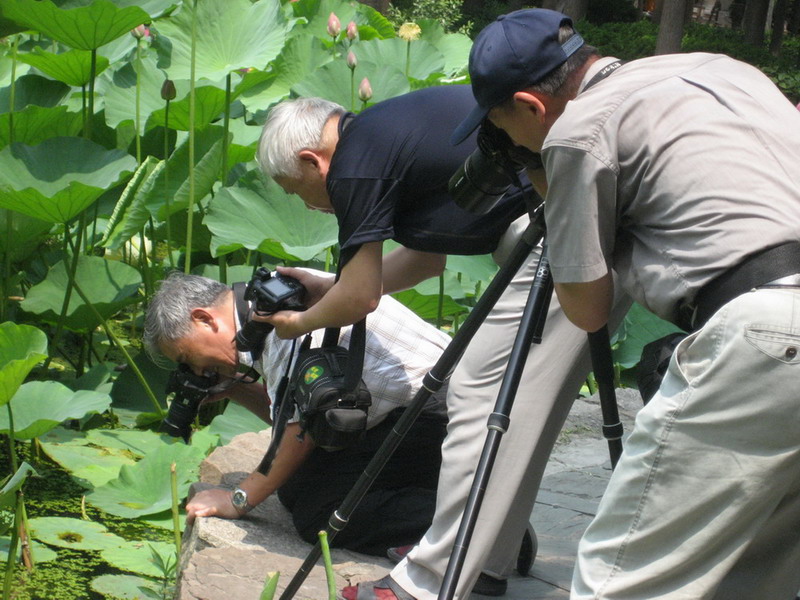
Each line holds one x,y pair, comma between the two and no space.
399,506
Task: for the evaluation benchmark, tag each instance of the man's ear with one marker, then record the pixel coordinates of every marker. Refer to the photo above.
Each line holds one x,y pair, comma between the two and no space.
317,161
532,102
201,316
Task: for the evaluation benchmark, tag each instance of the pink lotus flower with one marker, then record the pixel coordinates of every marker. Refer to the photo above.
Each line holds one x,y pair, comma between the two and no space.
364,90
352,30
352,61
141,32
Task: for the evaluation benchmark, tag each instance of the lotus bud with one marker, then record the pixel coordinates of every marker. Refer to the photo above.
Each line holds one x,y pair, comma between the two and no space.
364,90
352,30
409,32
141,31
352,61
334,25
168,90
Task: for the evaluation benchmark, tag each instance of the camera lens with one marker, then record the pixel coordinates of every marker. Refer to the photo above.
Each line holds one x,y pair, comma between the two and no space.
479,183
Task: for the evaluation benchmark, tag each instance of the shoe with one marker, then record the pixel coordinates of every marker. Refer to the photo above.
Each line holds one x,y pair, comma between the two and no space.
399,553
382,589
486,585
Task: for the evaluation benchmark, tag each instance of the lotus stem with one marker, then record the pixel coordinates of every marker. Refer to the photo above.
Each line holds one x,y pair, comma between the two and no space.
190,210
176,525
326,559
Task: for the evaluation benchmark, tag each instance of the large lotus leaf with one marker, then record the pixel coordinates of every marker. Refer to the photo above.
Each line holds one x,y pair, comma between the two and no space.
109,285
235,420
129,398
41,553
6,67
90,466
137,557
35,124
83,28
301,57
8,494
154,8
454,47
639,328
230,34
270,222
39,406
366,17
67,532
145,488
334,80
126,587
33,90
172,182
233,272
21,348
120,95
209,102
424,59
136,442
57,179
472,270
26,234
73,67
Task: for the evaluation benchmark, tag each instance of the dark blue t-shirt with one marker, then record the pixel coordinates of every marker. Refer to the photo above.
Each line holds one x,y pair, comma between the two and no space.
389,174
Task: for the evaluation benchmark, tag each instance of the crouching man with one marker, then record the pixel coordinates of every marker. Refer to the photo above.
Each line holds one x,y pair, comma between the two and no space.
193,320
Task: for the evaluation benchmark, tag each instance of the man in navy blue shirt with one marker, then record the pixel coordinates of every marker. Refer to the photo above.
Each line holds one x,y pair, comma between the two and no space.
384,174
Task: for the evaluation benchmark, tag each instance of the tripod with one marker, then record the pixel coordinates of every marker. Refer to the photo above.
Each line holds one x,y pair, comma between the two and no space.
530,327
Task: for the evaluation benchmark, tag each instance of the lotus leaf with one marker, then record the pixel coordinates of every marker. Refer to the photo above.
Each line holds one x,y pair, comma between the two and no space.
135,442
137,557
230,34
454,47
39,406
257,217
125,587
334,79
33,90
366,17
110,285
66,532
26,234
35,124
57,179
73,67
8,494
639,328
145,488
425,59
235,420
130,213
84,28
427,306
90,466
40,552
21,348
209,103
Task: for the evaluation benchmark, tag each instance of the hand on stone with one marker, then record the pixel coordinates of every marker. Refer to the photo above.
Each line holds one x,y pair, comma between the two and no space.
215,502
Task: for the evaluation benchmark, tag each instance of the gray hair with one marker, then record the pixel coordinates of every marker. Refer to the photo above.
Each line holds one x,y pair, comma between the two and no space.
292,126
555,83
168,316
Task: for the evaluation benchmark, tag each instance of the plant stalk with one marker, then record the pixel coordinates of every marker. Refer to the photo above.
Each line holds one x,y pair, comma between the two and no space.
176,525
190,210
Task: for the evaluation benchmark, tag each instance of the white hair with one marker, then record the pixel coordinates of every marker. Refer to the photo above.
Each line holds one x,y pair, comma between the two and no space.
292,126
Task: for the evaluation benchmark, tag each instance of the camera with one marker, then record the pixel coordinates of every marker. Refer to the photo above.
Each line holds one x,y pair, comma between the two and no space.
190,389
267,293
490,170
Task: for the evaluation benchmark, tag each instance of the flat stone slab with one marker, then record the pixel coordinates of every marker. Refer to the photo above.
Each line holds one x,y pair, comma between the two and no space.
231,559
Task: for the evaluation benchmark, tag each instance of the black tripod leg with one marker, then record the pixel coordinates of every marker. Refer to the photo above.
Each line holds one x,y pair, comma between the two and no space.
603,367
433,382
530,331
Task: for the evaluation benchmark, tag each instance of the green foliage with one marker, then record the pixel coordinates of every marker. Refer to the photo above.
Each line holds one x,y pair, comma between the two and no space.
611,11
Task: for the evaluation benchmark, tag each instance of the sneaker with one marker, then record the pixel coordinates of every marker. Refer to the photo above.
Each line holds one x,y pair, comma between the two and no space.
486,585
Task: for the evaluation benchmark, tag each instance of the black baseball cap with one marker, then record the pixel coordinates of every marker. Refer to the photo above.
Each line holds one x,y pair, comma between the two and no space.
515,51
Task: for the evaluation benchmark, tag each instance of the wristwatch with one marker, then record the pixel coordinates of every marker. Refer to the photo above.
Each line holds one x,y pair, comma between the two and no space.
239,501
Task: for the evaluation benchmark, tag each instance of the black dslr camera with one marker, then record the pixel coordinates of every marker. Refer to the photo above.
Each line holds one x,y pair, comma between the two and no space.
267,293
190,389
490,170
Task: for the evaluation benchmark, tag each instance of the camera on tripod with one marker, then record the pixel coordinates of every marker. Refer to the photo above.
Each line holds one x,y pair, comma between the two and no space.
190,389
267,293
492,168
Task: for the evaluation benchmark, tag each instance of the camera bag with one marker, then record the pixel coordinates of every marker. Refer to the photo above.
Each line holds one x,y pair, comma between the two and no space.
331,397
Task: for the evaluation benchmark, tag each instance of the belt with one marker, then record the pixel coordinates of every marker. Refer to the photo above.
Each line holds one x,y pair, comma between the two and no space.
778,266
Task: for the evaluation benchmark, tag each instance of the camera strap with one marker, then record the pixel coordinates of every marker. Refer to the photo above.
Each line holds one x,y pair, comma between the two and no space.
609,69
243,312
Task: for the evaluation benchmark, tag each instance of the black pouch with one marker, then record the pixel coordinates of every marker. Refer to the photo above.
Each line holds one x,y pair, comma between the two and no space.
333,409
654,362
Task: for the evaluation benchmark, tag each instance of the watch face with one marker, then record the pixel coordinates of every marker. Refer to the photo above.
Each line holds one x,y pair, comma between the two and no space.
239,499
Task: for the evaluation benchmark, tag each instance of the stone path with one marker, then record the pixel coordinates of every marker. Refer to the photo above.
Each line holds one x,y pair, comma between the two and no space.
225,559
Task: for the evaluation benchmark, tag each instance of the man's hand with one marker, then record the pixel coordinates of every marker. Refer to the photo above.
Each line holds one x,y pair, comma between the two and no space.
286,322
215,502
316,285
